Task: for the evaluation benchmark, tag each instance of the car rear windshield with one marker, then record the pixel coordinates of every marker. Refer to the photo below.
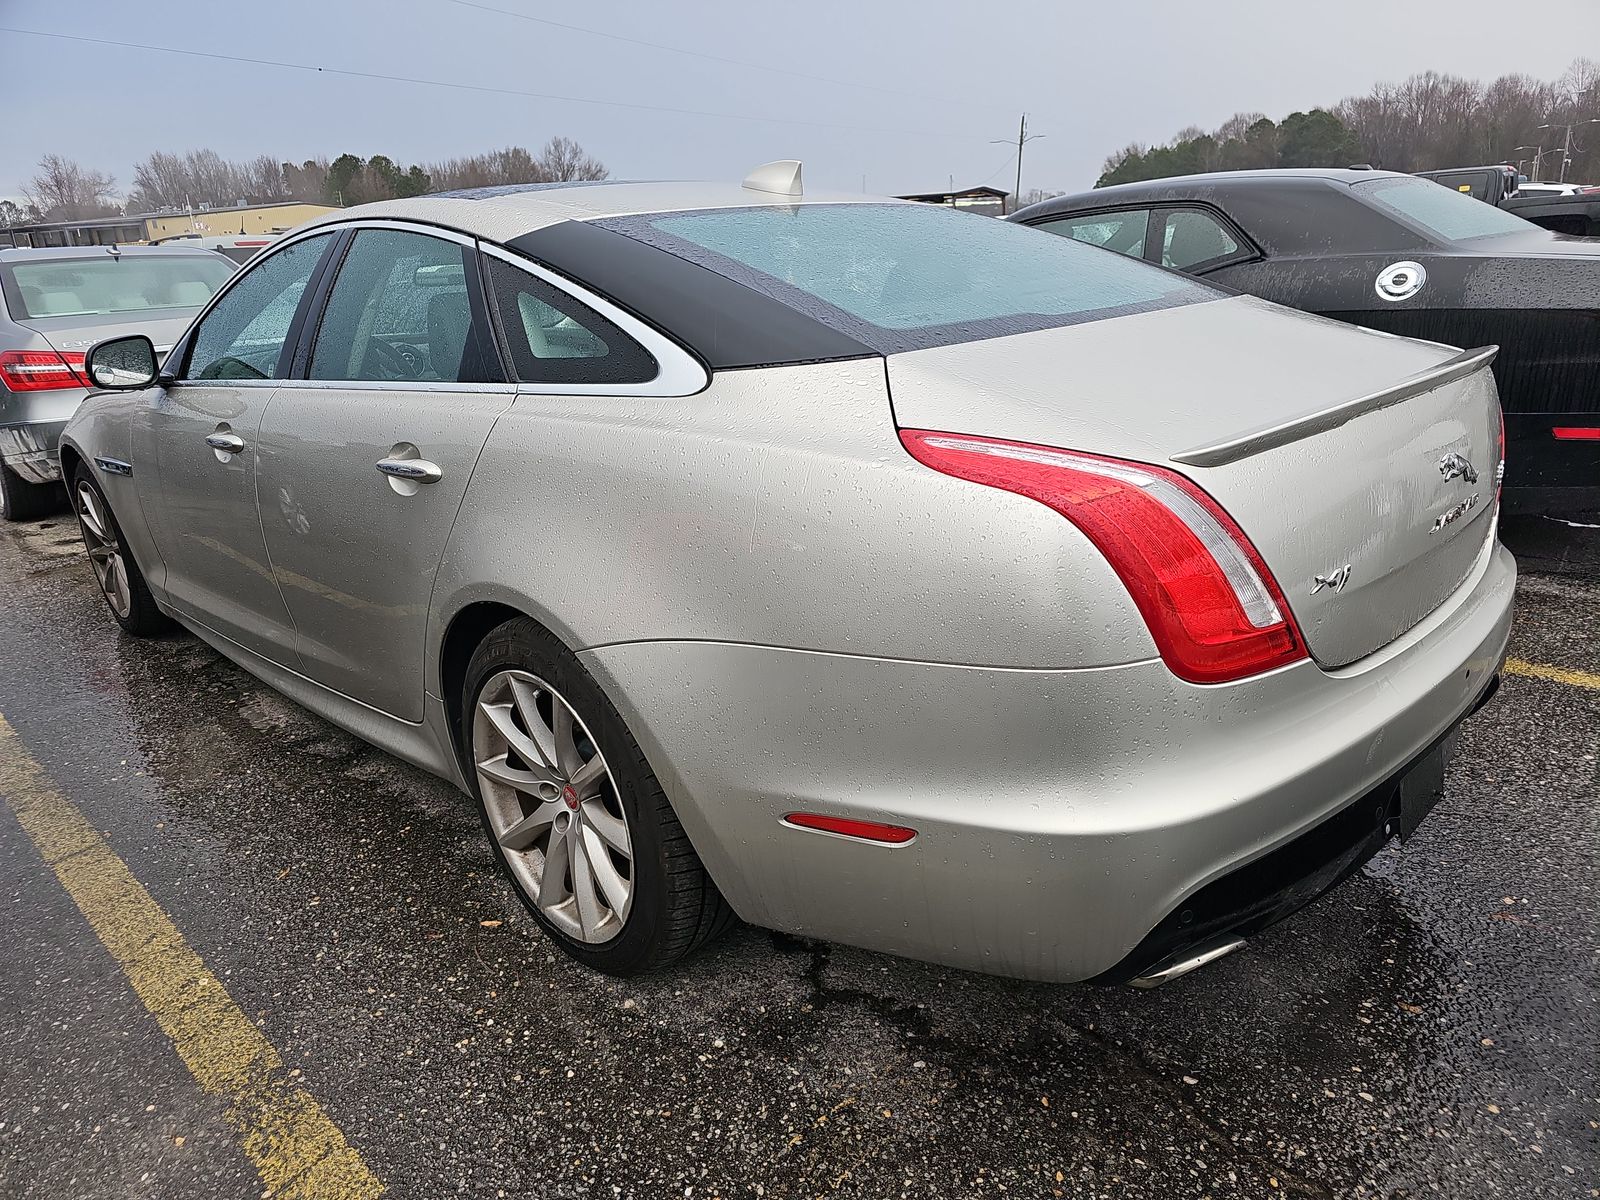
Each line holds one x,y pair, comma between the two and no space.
1447,214
905,276
78,287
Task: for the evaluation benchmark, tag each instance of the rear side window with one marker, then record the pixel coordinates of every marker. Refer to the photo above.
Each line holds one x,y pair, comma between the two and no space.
905,276
1122,231
1193,240
554,339
127,283
402,308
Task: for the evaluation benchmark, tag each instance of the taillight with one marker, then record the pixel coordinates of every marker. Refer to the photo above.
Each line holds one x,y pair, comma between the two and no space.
1212,606
1576,433
41,370
1500,467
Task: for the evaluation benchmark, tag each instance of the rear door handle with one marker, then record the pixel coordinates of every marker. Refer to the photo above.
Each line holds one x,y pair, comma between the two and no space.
417,470
227,443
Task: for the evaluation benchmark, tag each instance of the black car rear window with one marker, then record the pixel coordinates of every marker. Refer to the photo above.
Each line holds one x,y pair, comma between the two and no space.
906,276
1447,214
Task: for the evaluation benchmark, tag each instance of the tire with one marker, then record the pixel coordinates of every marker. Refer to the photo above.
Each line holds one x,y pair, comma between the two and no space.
121,582
24,501
560,811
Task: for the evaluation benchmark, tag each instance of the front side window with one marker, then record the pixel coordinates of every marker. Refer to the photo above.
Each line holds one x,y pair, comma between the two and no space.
124,283
243,336
1447,215
1122,231
554,339
906,276
1194,240
402,308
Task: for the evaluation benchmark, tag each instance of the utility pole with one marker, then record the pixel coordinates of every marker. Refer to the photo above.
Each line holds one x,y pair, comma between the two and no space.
1023,138
1566,145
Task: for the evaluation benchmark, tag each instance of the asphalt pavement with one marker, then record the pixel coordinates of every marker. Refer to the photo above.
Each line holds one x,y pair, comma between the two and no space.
1430,1029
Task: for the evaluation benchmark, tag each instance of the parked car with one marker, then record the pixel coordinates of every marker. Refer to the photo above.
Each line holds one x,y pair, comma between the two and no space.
741,549
1530,188
1400,254
240,247
1577,214
54,305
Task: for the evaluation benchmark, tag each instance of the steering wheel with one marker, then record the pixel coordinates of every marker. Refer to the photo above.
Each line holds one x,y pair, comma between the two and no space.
393,360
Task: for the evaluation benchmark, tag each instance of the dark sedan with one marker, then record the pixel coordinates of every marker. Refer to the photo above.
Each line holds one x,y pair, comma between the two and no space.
1399,254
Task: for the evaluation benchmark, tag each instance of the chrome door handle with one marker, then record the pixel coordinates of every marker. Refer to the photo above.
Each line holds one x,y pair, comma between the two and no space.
417,470
228,443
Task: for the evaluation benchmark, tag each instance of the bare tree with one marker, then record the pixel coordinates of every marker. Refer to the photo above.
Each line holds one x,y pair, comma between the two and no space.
65,191
514,164
563,159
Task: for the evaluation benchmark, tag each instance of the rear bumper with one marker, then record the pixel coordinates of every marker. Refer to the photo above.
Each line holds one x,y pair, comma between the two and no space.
1272,887
33,451
1061,816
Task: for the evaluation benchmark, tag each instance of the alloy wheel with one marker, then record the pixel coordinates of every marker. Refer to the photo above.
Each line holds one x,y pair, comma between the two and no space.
553,806
105,552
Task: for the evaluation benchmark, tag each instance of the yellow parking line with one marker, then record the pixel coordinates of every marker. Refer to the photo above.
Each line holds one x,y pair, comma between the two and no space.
298,1151
1582,679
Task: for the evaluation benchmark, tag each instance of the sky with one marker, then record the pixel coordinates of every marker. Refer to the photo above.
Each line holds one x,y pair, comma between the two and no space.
886,96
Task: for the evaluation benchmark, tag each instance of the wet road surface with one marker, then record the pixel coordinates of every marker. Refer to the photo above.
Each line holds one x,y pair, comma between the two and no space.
1429,1029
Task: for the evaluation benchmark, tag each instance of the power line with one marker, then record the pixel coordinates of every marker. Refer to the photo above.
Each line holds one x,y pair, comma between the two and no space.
478,87
718,58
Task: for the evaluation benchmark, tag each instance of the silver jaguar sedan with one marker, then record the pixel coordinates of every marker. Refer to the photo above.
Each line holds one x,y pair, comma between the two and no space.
872,571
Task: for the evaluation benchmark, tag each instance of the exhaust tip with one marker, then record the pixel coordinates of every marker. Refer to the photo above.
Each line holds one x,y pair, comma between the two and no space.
1190,960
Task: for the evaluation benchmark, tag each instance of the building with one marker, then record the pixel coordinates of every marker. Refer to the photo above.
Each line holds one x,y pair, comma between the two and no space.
243,219
987,201
136,228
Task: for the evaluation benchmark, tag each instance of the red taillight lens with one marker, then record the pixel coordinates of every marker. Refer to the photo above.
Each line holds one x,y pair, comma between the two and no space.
1576,433
1212,606
41,370
1500,467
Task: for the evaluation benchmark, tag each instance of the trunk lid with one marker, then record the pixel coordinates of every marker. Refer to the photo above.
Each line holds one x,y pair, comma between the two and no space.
1373,489
76,334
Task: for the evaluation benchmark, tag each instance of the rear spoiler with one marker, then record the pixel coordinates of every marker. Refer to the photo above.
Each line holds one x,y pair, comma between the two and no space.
1267,437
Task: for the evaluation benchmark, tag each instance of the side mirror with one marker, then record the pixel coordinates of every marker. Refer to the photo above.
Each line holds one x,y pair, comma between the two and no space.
123,363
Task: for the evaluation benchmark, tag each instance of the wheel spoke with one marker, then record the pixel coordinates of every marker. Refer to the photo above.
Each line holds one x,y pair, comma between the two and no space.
586,780
553,883
525,697
612,885
583,889
100,551
523,834
562,724
90,510
500,771
524,747
119,581
613,832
